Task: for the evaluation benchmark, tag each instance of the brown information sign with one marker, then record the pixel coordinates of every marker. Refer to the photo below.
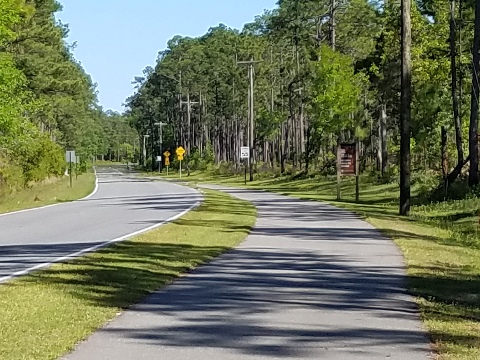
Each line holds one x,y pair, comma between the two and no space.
348,158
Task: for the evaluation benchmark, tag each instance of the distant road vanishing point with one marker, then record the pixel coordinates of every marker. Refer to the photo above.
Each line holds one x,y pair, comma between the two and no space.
122,206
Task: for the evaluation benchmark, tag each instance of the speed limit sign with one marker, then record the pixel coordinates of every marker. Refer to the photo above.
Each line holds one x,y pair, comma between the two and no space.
245,152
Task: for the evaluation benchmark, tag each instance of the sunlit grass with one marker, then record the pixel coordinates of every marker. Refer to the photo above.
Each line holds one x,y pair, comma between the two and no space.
43,316
440,242
48,193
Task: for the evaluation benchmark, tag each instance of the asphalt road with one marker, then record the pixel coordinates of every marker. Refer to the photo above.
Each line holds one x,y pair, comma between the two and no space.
310,282
123,205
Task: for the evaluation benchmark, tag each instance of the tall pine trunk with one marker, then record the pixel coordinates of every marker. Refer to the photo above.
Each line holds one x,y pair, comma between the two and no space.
444,149
405,110
383,140
473,131
456,112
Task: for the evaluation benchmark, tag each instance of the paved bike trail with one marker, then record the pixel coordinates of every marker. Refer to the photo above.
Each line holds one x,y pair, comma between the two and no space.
310,282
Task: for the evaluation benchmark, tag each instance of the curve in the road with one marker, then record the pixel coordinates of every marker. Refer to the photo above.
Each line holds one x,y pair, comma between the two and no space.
123,206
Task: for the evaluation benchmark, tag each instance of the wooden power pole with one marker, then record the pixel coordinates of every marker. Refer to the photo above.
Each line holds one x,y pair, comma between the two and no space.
251,112
189,104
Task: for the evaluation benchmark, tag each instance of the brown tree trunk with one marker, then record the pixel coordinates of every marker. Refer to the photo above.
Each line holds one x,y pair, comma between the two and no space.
292,124
383,140
307,150
286,144
444,139
405,109
473,131
281,152
456,113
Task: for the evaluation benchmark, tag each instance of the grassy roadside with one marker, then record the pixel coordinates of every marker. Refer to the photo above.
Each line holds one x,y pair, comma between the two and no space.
48,193
440,242
42,316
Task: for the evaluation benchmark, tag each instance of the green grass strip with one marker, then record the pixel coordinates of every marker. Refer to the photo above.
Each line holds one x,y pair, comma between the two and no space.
58,190
44,315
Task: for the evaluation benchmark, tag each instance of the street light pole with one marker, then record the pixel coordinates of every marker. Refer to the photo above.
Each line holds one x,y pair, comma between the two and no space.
160,137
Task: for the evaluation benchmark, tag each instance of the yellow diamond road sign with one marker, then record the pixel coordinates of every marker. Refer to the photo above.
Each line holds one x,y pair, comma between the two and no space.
180,151
166,154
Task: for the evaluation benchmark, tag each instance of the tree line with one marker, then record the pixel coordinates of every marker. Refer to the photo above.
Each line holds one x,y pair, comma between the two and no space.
47,102
325,72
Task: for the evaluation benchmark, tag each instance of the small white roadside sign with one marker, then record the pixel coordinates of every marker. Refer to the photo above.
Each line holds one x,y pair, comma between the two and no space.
245,152
70,157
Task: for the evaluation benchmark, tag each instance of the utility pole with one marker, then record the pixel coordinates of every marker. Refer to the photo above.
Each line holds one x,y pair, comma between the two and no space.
160,137
251,112
189,104
152,145
179,82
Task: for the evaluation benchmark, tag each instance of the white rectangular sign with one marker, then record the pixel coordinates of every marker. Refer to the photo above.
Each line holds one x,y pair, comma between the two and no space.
245,152
70,157
159,158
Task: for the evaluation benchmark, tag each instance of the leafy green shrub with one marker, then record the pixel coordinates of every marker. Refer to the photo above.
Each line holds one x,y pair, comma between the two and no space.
11,177
391,175
40,159
200,165
30,158
198,162
460,190
329,167
225,169
425,181
148,163
208,155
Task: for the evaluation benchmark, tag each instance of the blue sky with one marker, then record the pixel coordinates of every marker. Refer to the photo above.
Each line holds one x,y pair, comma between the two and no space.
117,39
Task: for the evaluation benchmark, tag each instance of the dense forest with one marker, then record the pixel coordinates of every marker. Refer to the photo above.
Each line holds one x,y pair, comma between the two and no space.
47,102
324,72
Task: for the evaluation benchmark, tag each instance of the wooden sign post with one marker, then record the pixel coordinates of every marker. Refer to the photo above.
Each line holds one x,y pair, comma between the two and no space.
348,164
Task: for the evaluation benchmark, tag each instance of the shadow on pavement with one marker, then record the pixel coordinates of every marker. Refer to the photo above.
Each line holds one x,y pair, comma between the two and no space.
225,305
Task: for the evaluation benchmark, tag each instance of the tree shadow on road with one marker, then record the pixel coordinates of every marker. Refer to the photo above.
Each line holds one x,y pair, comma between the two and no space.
229,303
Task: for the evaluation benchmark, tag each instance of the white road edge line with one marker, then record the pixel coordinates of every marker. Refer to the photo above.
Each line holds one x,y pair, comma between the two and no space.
52,205
95,190
94,248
